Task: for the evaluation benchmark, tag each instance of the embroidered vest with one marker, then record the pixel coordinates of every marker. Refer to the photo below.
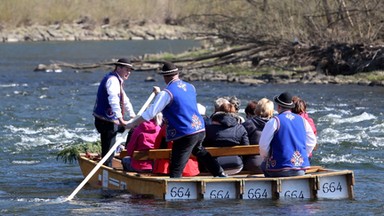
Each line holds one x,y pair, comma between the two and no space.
102,109
181,113
288,146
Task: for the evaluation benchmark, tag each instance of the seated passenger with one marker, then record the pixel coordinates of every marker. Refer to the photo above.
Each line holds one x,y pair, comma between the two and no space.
217,104
161,166
142,138
301,109
225,131
263,112
236,104
250,109
286,141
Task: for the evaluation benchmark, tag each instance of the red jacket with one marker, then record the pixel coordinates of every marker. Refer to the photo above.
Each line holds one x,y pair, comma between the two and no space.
161,166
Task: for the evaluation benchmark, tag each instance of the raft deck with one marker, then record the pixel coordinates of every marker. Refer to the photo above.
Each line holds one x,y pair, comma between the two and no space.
318,183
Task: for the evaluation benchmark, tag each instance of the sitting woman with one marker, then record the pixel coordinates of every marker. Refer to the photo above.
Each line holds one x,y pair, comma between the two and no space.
142,138
263,112
161,166
225,131
301,109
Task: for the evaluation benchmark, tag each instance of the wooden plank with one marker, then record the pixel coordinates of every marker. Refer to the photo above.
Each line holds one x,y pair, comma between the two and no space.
215,151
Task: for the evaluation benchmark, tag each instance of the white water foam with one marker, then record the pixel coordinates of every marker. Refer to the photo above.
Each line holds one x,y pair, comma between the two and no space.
345,158
359,118
54,137
25,162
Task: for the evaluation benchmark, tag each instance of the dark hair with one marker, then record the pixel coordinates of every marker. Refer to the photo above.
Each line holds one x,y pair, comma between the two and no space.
250,109
300,105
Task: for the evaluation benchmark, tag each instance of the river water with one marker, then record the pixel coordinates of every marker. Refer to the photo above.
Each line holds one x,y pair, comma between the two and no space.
42,113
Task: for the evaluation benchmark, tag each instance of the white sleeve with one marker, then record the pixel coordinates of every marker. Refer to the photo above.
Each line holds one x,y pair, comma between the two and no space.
310,137
113,90
162,99
128,106
266,137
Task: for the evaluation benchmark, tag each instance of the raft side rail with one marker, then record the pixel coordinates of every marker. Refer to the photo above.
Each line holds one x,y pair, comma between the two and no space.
214,151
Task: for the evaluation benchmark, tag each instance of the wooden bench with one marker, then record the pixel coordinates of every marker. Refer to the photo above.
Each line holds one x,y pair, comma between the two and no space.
215,151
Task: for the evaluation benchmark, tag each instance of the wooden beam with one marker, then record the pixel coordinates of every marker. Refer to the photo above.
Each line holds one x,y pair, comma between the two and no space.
215,151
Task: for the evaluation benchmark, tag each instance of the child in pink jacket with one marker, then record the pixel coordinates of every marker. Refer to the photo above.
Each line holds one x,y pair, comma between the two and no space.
142,138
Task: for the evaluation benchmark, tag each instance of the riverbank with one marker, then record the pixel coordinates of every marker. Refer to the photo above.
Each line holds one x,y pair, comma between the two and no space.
85,31
364,79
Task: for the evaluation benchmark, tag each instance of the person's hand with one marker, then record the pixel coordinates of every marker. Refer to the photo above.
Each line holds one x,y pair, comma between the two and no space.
122,122
129,126
156,89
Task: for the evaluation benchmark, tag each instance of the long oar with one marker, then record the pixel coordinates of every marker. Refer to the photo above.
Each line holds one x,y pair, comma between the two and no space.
112,150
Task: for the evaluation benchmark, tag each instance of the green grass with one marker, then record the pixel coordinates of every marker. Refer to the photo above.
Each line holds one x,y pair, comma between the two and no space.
372,76
70,154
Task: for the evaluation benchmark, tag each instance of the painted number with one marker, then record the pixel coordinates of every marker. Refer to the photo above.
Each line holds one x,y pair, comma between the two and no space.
294,194
219,194
180,192
332,187
257,193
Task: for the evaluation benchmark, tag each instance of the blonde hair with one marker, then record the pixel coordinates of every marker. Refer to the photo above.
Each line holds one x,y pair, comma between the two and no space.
265,108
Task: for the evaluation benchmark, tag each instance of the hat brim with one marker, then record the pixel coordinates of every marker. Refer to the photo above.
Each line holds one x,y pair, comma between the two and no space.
282,103
124,64
169,72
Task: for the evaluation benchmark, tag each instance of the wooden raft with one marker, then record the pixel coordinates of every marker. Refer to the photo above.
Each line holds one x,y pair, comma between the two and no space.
214,151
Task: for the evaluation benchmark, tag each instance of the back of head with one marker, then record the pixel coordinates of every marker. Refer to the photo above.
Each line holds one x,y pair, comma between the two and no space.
265,108
300,105
168,69
250,109
236,102
227,108
219,102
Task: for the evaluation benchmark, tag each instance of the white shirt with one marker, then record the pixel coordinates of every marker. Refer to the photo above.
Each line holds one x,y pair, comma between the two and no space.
269,131
113,89
162,99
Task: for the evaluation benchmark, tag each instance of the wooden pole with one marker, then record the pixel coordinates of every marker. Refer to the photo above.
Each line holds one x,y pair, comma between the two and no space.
111,150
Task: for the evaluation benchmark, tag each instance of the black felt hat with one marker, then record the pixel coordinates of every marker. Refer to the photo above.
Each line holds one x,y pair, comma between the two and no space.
168,69
284,100
124,62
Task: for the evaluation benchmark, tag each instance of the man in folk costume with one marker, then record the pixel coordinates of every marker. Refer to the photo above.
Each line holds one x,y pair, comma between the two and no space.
111,104
286,141
185,126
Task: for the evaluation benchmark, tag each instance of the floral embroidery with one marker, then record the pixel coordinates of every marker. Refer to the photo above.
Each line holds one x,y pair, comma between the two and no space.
271,162
182,86
196,123
297,159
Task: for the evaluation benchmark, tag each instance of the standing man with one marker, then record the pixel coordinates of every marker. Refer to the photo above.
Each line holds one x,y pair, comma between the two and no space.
185,126
286,141
111,102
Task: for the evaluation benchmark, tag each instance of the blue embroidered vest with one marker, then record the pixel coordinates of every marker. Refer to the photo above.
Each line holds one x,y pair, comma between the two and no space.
102,109
288,146
181,113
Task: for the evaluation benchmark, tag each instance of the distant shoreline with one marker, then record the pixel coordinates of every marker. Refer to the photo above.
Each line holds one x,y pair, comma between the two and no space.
88,32
91,32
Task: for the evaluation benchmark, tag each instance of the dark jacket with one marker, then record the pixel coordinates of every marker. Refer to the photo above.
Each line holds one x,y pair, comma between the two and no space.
254,127
223,132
